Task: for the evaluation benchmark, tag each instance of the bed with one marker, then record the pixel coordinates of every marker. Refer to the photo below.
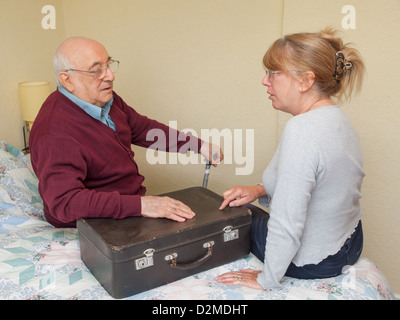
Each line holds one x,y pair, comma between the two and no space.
39,262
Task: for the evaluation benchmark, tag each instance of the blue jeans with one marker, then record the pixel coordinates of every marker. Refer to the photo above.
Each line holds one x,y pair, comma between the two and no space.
329,267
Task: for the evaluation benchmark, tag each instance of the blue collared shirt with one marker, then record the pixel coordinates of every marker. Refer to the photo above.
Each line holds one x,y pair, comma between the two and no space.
101,114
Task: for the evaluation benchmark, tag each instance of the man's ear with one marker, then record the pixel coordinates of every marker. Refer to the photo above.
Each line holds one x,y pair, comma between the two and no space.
65,81
307,80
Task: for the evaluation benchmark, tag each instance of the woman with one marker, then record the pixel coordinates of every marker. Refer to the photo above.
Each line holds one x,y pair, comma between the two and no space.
313,183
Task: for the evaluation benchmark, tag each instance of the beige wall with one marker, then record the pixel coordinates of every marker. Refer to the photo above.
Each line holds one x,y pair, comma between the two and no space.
199,63
194,62
26,51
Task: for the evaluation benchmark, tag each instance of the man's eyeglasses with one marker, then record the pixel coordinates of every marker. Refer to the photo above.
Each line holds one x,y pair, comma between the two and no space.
270,73
100,72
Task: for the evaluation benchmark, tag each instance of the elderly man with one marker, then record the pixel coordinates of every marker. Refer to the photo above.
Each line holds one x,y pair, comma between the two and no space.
81,144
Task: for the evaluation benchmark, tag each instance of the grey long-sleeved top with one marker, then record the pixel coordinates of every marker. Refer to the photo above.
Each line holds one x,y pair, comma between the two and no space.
314,185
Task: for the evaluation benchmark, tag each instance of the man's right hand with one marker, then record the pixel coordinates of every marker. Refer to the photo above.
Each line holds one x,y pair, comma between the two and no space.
165,207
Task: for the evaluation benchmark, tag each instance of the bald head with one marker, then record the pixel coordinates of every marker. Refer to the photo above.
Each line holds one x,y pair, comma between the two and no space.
74,60
73,52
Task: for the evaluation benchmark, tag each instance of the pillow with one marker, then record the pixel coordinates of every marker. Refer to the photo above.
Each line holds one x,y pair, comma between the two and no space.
19,195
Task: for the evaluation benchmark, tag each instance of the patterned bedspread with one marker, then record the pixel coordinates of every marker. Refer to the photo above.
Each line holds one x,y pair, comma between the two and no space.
38,261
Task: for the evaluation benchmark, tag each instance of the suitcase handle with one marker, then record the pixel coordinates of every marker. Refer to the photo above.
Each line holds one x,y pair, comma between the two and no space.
187,266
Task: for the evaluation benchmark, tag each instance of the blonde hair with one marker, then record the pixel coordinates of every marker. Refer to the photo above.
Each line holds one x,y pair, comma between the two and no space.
317,52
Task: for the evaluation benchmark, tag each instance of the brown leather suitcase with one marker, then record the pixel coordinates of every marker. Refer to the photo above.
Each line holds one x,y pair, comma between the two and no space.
133,255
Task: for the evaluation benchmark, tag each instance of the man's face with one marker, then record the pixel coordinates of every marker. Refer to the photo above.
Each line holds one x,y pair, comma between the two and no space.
89,55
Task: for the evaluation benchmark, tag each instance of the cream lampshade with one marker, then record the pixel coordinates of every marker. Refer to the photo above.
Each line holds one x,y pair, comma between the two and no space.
32,94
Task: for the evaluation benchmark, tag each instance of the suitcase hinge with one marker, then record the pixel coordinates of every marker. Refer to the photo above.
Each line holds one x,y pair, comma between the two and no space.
145,262
230,234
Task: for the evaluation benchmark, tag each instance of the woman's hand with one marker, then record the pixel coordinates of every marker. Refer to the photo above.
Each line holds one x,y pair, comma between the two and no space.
244,277
240,195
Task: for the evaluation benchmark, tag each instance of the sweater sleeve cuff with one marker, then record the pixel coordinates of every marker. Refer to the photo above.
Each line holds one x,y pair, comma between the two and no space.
264,200
131,205
264,283
190,143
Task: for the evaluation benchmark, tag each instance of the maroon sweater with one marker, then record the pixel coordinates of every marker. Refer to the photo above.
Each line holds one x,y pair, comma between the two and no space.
87,170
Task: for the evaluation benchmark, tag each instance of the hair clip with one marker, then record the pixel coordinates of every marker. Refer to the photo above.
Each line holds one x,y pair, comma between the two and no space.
341,65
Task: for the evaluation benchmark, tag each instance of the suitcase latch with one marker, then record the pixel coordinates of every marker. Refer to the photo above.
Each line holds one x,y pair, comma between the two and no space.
146,261
230,234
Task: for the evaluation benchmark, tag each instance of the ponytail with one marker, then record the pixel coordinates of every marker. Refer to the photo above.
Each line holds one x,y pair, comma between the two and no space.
338,67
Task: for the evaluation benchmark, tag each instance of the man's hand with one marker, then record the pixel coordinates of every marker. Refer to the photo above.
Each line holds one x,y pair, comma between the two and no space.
165,207
212,153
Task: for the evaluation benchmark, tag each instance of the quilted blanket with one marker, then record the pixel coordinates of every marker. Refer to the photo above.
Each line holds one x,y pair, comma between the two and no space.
38,261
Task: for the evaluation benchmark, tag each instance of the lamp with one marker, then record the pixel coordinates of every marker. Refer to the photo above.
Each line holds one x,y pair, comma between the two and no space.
32,94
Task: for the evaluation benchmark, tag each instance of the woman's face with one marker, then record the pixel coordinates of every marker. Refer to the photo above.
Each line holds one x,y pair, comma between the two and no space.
283,91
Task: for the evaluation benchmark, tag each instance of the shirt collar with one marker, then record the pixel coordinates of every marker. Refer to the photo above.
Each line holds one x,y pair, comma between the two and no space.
94,111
